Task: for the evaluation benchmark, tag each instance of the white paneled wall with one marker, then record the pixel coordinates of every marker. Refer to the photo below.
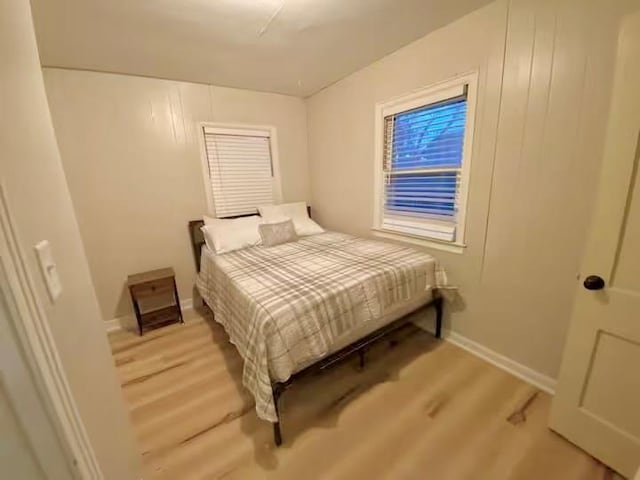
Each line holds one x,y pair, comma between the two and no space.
545,76
558,68
130,151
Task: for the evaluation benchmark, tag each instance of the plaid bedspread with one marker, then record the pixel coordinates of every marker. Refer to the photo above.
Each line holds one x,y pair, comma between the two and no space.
284,305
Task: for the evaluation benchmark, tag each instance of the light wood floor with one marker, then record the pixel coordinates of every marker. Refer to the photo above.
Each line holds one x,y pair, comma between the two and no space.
423,409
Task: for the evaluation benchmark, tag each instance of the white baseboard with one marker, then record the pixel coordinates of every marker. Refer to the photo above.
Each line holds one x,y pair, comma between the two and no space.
529,375
119,323
535,378
186,304
112,325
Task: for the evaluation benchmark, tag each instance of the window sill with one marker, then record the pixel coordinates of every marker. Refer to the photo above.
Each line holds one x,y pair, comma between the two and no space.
450,247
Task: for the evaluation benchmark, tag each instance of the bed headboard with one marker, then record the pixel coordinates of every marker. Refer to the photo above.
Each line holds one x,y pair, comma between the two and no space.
197,237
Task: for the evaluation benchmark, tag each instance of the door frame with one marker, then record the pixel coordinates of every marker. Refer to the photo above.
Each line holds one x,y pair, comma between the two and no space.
36,340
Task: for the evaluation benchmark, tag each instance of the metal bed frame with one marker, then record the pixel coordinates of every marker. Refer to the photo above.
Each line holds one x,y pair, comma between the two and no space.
358,347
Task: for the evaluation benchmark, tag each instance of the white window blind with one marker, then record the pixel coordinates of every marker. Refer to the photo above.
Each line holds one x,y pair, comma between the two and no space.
423,155
240,170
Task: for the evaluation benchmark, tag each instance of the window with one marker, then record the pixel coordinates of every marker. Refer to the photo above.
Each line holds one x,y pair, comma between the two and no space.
239,169
424,143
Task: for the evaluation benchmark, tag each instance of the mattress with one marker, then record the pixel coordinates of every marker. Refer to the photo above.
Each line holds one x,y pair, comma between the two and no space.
287,306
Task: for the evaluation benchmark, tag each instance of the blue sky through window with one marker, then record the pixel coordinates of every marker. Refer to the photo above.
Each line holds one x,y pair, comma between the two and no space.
428,137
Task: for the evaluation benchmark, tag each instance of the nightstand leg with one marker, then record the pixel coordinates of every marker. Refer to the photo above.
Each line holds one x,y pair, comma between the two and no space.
175,292
136,309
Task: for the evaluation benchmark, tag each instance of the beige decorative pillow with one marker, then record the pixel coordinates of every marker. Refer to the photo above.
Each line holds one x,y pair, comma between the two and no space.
277,233
295,211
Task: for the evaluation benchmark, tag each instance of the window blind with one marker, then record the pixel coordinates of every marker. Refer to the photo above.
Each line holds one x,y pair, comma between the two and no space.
422,156
240,170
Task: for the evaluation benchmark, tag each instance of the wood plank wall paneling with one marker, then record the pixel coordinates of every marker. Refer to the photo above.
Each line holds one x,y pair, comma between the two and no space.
130,151
545,69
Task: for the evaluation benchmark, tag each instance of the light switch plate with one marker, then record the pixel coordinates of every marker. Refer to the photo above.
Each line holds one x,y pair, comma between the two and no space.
49,269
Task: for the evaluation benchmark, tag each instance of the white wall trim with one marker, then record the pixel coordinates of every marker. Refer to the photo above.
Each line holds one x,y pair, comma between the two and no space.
128,321
529,375
112,325
186,304
450,247
39,343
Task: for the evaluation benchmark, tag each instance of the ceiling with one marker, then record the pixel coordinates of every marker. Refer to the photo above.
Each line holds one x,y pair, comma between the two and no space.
295,47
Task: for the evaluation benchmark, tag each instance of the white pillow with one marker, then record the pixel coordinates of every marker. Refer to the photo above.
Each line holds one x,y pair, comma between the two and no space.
226,235
296,212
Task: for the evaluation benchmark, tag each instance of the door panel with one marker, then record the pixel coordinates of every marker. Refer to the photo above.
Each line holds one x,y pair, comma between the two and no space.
608,397
17,459
36,444
597,402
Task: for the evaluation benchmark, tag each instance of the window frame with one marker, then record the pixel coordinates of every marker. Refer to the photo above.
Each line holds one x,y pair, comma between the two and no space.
425,96
238,129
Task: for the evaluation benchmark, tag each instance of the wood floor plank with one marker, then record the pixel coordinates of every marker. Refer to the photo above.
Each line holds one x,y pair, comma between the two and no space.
422,409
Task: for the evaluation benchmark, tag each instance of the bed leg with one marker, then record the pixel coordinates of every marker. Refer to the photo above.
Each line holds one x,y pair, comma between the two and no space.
437,303
361,353
277,433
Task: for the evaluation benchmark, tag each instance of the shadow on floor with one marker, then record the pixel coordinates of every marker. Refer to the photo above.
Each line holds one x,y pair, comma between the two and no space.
317,400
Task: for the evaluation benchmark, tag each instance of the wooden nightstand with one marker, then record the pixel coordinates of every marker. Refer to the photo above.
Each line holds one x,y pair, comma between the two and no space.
152,286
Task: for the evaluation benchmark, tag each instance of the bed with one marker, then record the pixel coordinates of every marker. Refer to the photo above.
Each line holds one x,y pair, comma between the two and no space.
302,306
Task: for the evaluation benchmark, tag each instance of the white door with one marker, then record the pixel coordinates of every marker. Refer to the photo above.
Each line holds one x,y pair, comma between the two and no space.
597,402
30,444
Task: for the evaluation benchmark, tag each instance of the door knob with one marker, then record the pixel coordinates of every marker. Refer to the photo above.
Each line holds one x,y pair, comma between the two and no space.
593,282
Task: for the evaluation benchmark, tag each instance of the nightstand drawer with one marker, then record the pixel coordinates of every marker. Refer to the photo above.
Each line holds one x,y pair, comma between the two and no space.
162,316
153,288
